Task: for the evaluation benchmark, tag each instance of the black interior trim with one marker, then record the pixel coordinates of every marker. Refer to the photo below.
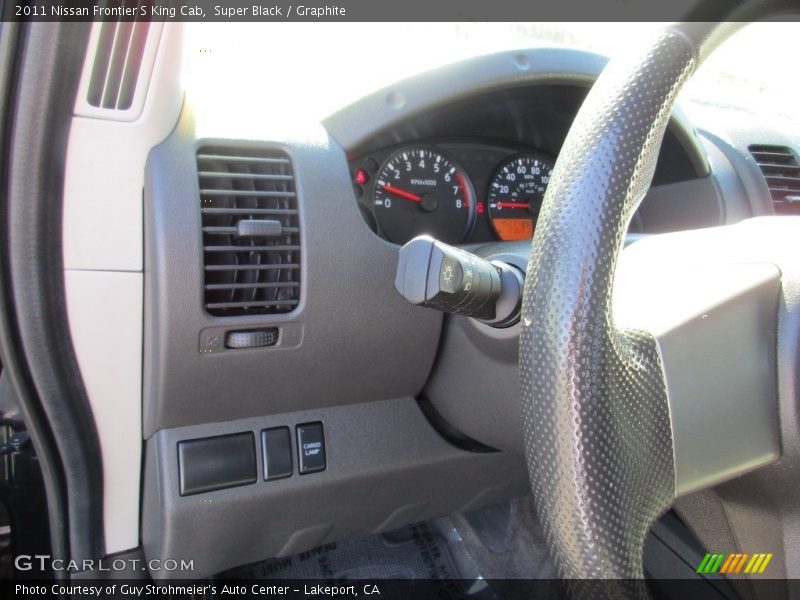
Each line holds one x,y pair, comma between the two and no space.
12,37
36,344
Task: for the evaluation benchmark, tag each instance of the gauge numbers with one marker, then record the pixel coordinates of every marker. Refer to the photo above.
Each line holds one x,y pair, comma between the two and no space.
515,195
420,191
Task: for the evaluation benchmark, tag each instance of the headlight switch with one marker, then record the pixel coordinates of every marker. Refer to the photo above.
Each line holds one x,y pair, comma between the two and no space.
433,274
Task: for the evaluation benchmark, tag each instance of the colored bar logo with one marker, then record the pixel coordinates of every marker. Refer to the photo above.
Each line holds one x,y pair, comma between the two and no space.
737,562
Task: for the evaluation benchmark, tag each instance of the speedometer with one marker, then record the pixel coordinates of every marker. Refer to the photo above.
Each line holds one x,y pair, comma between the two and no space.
515,195
422,191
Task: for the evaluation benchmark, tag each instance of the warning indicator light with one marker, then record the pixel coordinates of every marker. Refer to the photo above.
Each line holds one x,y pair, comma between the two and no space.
361,177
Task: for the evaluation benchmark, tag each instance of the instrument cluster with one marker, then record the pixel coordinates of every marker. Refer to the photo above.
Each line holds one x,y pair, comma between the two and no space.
457,192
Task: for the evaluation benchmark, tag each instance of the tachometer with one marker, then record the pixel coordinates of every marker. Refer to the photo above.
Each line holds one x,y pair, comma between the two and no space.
515,195
422,191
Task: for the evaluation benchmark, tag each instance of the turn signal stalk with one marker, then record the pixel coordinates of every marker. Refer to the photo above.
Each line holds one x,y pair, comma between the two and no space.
433,274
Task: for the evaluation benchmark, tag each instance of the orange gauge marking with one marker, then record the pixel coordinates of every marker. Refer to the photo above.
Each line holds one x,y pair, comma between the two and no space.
514,229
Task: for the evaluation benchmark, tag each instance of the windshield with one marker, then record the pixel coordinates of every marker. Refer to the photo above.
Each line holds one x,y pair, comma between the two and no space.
315,69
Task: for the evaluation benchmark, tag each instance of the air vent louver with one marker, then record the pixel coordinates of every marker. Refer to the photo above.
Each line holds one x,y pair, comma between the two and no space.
782,172
251,231
119,56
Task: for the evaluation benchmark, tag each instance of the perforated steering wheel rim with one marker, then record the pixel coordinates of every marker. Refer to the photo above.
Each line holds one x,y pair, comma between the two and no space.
596,419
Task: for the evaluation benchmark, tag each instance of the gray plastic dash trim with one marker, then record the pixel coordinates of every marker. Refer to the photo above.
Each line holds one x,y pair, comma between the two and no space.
378,477
352,338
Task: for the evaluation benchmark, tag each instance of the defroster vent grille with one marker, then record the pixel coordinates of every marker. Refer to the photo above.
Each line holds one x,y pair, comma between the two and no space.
251,231
120,51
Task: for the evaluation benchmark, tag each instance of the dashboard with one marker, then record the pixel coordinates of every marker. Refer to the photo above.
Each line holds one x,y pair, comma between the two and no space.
475,171
296,232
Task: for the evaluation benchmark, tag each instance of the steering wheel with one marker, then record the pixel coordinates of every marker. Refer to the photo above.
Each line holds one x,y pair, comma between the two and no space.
599,438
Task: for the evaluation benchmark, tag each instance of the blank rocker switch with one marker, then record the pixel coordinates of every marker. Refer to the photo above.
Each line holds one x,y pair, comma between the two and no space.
310,448
276,444
216,463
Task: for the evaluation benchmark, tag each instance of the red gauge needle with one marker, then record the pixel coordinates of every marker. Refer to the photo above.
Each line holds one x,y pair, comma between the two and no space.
402,193
513,205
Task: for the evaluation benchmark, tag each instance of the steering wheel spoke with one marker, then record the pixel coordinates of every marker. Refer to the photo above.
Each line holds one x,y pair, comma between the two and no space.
713,316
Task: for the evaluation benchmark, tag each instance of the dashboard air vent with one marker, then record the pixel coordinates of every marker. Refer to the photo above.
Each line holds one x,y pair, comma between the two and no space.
251,231
118,60
782,172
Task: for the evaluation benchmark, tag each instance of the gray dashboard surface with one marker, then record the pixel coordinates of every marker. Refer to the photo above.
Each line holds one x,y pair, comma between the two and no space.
353,339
